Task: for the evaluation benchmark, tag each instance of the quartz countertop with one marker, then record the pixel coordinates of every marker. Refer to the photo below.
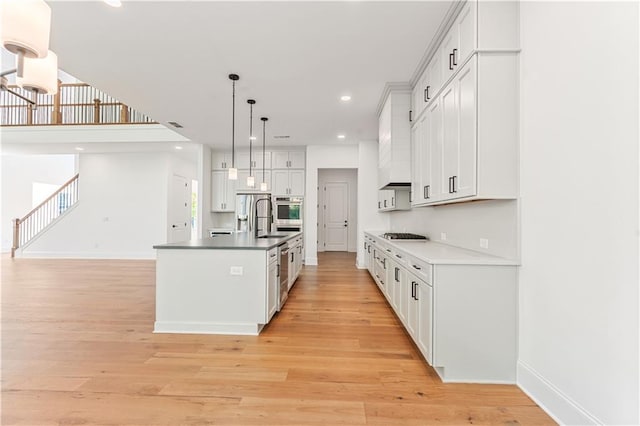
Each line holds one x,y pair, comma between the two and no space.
444,254
235,241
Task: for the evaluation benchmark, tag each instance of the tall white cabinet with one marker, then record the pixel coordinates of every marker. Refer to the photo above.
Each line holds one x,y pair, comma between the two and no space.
465,133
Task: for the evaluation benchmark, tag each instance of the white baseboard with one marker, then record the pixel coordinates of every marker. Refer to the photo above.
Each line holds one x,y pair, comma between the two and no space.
184,327
311,261
85,255
559,406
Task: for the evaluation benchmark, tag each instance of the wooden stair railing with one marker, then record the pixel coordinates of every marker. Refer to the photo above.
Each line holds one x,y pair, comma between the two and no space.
26,228
75,103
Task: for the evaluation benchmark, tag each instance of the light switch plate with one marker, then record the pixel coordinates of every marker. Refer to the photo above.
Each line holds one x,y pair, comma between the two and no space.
236,270
484,243
443,236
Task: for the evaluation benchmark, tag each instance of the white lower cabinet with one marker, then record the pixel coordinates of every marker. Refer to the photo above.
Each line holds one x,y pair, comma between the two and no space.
462,317
273,284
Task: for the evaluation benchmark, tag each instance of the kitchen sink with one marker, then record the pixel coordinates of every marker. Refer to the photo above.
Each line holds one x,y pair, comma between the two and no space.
272,236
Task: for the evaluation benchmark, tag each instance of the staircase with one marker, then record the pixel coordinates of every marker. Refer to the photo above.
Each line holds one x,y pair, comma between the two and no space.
37,220
75,103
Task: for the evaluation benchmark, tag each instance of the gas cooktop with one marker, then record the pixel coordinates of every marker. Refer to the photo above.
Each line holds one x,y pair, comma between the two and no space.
403,236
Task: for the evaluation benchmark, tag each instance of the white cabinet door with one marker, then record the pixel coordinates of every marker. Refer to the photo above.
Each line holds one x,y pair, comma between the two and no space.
425,320
219,160
466,27
280,182
267,178
465,180
242,160
241,184
432,154
296,160
279,159
296,182
448,50
417,164
412,308
258,160
450,146
223,197
272,288
434,80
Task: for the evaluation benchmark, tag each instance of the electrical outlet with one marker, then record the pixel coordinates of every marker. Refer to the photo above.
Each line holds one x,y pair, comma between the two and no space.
484,243
443,236
236,270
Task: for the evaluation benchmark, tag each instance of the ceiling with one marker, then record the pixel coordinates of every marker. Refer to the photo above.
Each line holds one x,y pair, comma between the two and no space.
171,60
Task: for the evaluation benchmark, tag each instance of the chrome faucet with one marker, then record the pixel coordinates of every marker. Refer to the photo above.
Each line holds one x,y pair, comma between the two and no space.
269,217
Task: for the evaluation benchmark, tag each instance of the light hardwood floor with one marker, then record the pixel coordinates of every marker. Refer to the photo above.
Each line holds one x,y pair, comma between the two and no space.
78,348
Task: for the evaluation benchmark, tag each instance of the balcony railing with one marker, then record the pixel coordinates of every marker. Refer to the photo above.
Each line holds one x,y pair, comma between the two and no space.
75,103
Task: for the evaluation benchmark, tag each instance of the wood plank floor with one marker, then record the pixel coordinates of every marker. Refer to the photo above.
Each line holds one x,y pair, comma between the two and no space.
78,348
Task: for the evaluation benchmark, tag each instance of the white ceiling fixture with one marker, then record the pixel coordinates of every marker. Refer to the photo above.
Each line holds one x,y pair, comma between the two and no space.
113,3
24,31
178,147
341,136
78,148
345,98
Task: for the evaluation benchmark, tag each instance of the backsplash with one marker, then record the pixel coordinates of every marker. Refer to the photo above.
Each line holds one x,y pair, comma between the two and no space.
465,224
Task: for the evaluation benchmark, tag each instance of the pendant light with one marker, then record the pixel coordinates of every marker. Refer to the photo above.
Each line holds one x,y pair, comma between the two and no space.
251,181
263,185
233,172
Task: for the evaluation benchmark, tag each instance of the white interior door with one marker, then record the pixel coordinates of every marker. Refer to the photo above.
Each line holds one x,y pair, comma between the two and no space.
336,216
179,210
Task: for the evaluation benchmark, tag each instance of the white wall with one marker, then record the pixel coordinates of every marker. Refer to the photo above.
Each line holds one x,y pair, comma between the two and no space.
350,177
579,187
122,209
19,172
464,224
369,219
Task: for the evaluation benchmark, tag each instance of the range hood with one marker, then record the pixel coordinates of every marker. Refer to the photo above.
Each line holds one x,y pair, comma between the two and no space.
397,185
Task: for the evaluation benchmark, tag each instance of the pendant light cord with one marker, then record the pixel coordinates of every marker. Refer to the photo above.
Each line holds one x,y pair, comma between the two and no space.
250,135
264,123
233,128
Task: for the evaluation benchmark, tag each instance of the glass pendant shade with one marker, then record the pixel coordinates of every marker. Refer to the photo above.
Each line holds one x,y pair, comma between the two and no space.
251,181
25,27
263,186
40,75
233,173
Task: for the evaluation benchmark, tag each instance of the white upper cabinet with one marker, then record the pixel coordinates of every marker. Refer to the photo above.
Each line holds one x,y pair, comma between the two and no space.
460,41
288,182
288,160
394,140
220,160
466,132
223,192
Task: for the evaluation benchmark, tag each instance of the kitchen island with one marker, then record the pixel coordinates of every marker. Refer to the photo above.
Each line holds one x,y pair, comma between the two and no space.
222,285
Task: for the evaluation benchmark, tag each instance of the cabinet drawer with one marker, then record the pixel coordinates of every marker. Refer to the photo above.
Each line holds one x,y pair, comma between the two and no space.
421,269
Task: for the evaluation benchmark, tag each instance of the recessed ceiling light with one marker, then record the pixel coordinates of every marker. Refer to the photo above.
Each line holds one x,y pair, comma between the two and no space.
78,148
253,138
282,137
113,3
341,136
345,98
178,147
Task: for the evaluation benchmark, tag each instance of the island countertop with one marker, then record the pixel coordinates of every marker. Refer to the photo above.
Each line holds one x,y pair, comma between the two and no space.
235,241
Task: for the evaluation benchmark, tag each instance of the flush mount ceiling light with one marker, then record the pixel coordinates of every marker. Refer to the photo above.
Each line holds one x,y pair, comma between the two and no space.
113,3
233,172
24,31
251,181
78,148
178,147
345,98
263,184
341,136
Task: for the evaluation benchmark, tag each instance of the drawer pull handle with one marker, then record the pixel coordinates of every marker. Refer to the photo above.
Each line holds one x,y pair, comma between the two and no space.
417,267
